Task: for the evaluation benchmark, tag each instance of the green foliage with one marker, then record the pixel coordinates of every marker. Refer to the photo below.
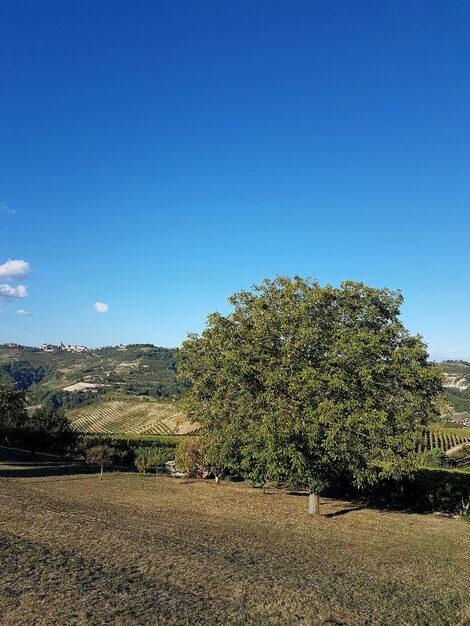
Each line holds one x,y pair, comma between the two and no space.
460,400
100,455
38,394
216,450
190,459
127,447
24,374
428,489
43,429
152,458
49,429
438,489
142,459
132,441
441,447
136,369
460,458
457,371
433,458
160,456
12,411
307,382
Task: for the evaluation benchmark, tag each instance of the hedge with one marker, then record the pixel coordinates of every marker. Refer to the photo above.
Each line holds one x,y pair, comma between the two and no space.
429,489
437,489
129,444
131,441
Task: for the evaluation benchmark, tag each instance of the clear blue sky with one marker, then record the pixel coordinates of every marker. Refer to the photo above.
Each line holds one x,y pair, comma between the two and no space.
158,156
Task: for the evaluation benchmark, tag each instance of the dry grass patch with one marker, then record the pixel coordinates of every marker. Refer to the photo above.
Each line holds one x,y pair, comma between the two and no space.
132,550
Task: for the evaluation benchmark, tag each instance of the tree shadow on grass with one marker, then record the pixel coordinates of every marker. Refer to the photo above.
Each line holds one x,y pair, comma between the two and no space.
21,464
345,511
348,508
351,505
39,469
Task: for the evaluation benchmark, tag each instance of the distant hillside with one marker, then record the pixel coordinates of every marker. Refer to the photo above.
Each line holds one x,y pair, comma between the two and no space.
457,386
131,417
74,376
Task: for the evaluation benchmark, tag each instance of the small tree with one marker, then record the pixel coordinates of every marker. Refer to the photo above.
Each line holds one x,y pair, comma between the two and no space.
215,456
308,382
159,455
121,454
143,460
190,459
100,455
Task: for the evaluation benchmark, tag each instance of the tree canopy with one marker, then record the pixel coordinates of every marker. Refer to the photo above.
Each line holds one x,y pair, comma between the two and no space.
301,382
12,410
44,428
49,429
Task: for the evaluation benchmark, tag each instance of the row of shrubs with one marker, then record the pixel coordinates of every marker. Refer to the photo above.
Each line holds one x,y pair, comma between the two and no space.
438,458
140,451
430,489
131,441
143,458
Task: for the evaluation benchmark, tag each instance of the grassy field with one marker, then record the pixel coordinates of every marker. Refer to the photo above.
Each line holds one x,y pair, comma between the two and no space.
130,417
133,550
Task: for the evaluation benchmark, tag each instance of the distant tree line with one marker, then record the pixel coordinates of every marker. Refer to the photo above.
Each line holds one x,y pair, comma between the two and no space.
45,428
24,374
137,369
37,394
460,399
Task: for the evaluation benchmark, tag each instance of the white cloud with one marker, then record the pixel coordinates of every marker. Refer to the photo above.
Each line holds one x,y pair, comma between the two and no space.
101,307
7,292
4,208
23,312
14,269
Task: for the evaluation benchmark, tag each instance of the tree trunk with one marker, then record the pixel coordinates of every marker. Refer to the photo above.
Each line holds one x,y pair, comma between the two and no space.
313,502
216,479
101,473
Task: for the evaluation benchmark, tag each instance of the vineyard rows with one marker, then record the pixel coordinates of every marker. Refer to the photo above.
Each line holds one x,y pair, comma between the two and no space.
442,440
155,418
133,418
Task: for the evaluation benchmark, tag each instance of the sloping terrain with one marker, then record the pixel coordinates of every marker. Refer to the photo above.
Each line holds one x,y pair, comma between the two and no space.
446,439
67,378
130,418
457,387
131,550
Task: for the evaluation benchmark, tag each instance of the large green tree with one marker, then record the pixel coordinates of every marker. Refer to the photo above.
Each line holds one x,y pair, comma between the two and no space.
300,383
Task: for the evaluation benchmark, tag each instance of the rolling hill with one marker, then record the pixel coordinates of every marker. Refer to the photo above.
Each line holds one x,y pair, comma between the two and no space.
122,389
113,387
457,387
135,370
131,417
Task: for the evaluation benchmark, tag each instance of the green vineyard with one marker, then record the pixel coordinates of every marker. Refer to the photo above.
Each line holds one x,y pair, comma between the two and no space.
128,417
444,439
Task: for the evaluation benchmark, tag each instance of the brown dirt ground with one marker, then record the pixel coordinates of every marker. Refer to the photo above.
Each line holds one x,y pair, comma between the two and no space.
135,550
